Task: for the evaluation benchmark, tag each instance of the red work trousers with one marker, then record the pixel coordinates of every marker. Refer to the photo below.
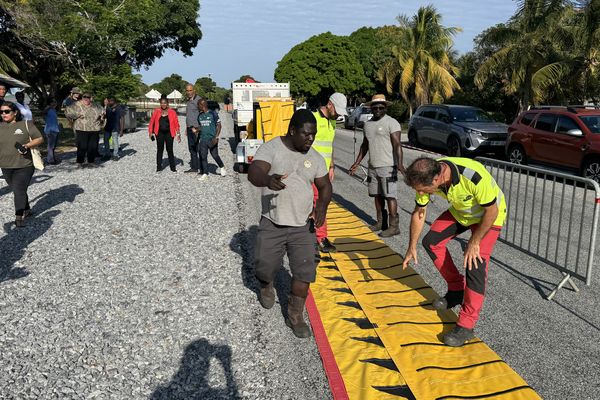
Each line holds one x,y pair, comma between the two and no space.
322,230
444,229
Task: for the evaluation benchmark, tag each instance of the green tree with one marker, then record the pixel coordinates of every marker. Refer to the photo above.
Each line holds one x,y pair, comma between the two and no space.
322,65
58,42
491,97
119,82
525,57
244,77
170,83
422,69
204,86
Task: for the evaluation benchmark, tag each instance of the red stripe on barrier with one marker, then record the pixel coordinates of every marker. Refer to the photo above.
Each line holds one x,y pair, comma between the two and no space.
598,200
336,383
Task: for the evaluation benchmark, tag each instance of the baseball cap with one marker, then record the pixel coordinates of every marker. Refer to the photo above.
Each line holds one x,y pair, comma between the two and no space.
339,103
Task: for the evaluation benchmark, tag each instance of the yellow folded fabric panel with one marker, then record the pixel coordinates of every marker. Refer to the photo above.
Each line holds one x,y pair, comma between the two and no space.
362,361
397,304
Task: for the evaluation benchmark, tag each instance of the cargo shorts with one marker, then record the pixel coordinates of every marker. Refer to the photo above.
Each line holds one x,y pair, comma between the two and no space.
274,241
383,181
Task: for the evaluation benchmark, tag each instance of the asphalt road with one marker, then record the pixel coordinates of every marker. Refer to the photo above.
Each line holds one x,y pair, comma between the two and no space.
552,344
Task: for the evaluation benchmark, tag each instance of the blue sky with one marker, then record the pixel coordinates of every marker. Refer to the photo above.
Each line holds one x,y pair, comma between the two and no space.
249,37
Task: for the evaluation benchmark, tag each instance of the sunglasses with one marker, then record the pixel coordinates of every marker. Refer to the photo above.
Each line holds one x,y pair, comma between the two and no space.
86,97
6,111
378,107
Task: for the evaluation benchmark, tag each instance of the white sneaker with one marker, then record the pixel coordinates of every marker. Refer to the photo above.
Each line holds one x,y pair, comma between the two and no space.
203,177
222,171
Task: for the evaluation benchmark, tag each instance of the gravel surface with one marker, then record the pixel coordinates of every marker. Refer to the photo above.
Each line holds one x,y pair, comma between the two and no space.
132,284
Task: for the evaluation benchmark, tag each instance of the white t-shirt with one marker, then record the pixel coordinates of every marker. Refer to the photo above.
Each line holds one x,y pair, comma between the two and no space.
378,133
25,111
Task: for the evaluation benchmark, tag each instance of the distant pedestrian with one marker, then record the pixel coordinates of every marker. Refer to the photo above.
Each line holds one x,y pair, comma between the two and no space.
51,130
191,122
3,91
382,142
74,97
285,168
210,129
476,204
326,123
113,130
17,138
163,128
88,120
23,108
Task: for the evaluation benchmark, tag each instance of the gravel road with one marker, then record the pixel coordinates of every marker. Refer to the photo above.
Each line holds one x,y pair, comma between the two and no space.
132,284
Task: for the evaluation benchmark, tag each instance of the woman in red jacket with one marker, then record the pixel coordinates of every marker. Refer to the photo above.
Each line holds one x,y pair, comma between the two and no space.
164,127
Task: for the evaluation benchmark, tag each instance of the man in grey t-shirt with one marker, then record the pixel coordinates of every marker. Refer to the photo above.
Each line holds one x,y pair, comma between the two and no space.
191,121
285,168
382,141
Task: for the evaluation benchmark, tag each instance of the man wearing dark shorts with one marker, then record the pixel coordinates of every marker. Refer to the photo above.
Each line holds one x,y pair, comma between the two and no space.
382,142
285,168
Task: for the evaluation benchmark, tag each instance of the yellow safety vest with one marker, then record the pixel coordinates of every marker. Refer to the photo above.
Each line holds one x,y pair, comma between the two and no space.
323,143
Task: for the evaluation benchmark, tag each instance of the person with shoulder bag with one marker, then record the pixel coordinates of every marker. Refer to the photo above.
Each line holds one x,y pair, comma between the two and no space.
18,141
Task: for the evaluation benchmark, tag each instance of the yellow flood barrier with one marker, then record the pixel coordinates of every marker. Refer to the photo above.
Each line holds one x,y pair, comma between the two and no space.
356,362
397,304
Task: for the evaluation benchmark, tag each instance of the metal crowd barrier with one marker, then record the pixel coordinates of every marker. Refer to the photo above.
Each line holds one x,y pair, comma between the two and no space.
552,217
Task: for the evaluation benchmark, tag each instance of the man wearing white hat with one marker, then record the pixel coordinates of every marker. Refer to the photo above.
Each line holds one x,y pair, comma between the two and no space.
382,141
323,144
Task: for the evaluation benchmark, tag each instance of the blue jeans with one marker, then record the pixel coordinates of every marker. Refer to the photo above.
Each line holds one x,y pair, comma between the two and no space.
52,141
194,148
115,143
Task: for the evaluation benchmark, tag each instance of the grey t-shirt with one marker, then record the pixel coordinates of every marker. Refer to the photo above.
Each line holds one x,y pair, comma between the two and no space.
291,206
192,112
378,133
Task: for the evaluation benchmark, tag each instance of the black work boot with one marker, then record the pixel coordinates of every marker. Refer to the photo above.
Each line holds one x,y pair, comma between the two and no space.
451,299
382,222
394,227
266,296
458,336
295,317
326,246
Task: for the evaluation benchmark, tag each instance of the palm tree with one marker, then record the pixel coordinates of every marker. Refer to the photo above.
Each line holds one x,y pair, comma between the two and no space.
7,65
526,51
422,66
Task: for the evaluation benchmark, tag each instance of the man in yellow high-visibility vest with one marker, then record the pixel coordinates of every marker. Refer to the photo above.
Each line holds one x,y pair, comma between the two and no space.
323,144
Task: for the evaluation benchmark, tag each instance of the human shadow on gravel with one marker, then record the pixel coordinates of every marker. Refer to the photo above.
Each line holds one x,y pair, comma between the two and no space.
243,244
191,380
34,180
16,240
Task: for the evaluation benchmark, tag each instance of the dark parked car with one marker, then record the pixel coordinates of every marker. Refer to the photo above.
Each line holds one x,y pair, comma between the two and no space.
459,130
566,137
357,118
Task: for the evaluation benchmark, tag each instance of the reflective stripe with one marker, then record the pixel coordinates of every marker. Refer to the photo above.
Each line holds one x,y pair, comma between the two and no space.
323,143
468,173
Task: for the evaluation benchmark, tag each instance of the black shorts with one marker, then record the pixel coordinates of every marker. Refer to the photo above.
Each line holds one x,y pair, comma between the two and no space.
274,241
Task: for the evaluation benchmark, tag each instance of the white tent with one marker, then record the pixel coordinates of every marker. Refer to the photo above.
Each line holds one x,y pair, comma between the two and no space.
153,94
175,94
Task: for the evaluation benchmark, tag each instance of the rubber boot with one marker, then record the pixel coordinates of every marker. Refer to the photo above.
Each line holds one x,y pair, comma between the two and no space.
295,317
266,296
382,222
394,229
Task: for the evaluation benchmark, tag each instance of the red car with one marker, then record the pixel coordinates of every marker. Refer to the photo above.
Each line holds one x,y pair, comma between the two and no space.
566,137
